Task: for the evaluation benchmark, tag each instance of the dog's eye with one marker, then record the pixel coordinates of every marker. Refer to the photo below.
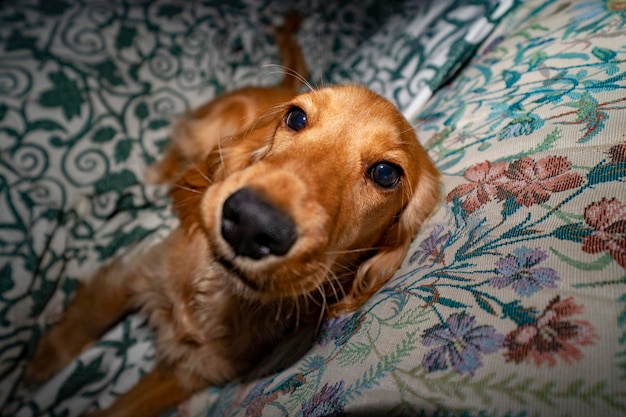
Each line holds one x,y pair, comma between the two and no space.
296,119
385,174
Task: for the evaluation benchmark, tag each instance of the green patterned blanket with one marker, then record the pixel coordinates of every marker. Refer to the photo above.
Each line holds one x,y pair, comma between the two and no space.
512,299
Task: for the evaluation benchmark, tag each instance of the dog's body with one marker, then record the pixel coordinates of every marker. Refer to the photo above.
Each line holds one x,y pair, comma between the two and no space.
292,207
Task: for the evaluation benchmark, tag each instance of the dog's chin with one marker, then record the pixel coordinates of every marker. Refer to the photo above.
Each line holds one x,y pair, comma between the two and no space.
249,287
234,272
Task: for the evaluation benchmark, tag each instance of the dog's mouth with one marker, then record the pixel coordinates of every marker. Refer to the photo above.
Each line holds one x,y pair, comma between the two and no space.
233,270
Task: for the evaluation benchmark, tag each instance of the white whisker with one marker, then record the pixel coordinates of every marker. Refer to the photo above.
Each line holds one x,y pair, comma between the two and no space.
340,285
322,310
270,112
333,278
319,56
220,153
289,72
358,250
192,190
279,310
203,175
309,296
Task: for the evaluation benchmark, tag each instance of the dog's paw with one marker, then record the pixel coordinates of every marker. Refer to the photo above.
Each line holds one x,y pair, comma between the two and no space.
55,350
47,361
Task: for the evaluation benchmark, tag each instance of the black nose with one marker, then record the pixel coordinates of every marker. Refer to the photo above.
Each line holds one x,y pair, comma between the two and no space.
255,228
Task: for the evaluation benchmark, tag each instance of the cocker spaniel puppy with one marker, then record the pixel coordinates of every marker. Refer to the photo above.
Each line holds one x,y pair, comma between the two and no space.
292,207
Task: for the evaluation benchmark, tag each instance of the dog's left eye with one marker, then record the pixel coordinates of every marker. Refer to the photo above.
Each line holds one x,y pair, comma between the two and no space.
385,174
296,119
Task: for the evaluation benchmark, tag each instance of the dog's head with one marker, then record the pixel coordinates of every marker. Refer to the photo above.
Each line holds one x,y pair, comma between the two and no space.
321,198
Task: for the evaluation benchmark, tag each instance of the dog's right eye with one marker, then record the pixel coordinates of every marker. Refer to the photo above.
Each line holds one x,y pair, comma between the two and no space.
385,174
295,119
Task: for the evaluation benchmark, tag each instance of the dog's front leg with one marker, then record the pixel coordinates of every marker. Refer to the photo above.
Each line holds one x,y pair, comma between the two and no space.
96,306
155,393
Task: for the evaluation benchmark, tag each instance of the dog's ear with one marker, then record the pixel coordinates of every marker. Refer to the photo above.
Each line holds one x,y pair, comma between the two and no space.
187,191
201,131
232,154
374,272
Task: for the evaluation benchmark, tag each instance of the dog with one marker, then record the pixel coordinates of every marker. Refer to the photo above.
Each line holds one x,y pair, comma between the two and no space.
293,207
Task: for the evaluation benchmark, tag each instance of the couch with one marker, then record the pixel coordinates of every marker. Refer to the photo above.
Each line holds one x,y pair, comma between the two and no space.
512,298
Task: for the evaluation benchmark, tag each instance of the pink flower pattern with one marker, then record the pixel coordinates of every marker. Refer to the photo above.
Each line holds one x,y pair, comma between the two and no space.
482,187
533,182
553,335
607,218
528,181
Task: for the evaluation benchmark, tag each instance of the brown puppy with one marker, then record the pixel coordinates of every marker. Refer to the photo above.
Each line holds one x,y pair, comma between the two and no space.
293,207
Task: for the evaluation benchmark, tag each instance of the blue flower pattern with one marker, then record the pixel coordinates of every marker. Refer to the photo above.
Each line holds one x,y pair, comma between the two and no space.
460,343
521,273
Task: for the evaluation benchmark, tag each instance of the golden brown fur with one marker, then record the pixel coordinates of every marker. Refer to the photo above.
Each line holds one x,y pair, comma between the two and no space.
216,307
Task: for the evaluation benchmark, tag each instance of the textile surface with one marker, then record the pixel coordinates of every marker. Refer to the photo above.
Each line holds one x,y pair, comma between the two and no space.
512,299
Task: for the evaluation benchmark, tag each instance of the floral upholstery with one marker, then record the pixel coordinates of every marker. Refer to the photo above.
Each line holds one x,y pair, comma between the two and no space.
511,300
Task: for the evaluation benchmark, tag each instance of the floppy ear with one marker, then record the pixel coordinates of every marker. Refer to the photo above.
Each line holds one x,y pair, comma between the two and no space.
377,270
187,191
232,154
199,132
